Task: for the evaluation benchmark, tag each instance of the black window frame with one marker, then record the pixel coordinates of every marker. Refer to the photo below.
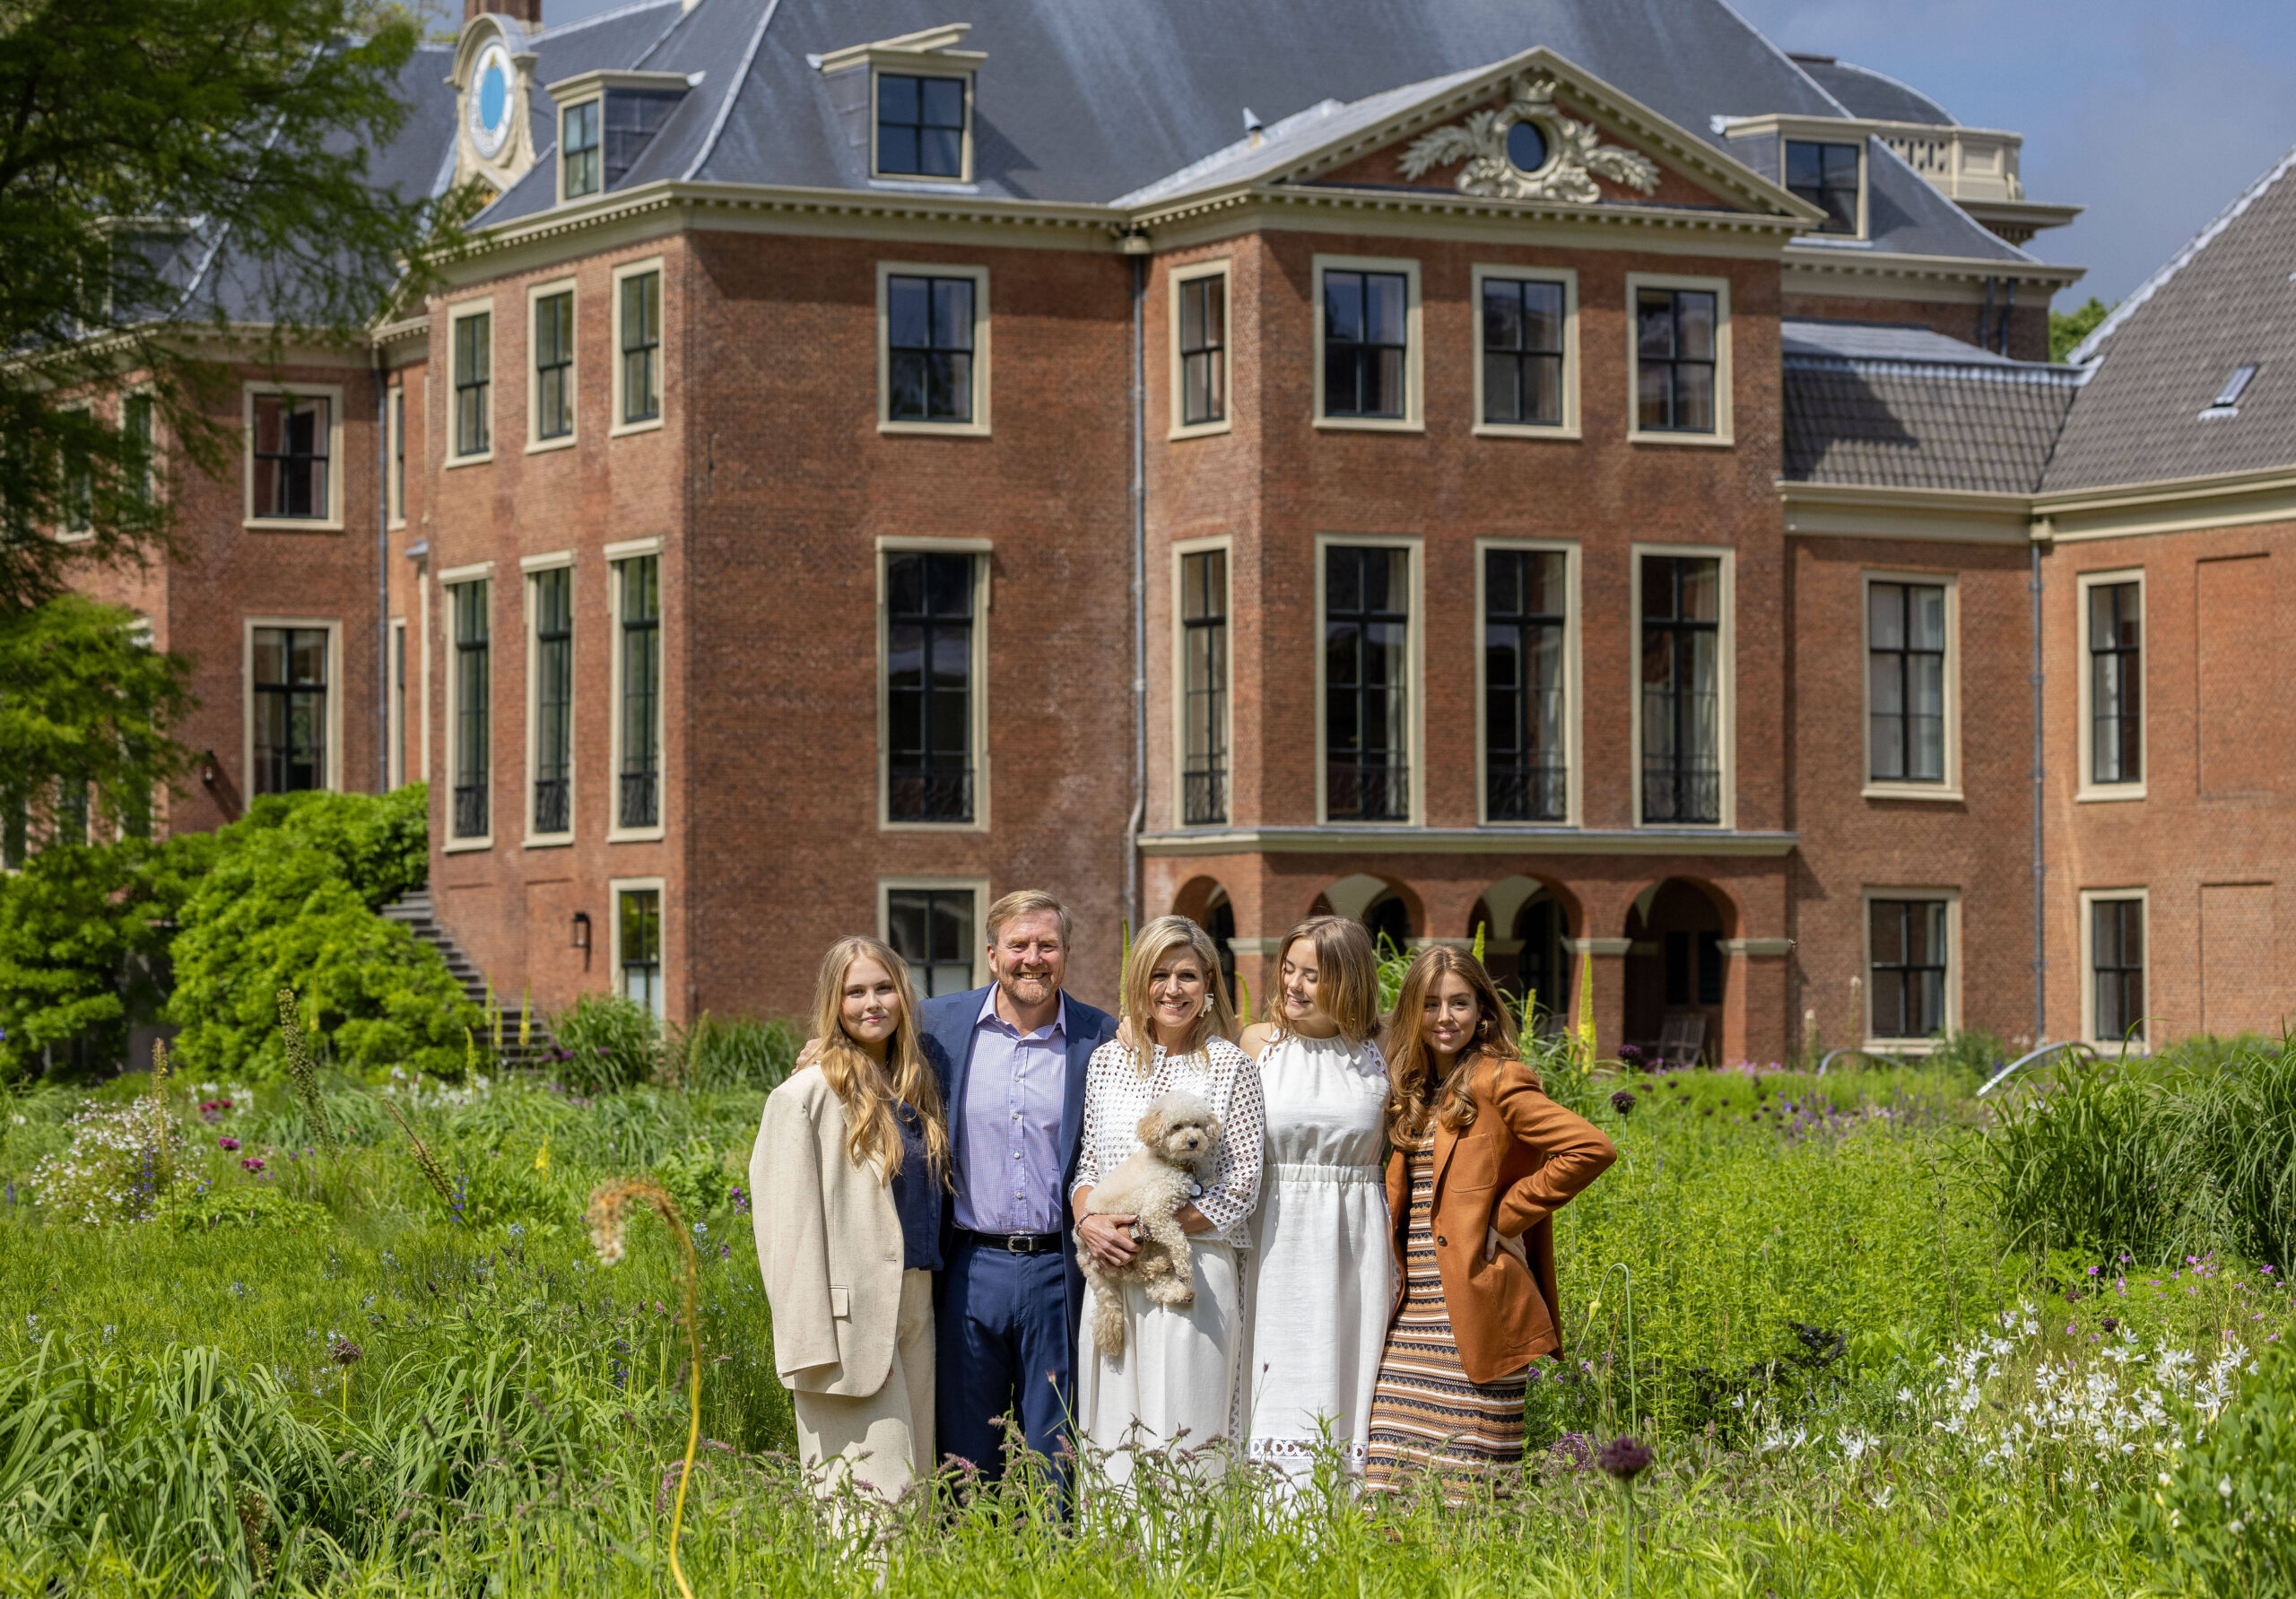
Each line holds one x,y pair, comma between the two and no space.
917,375
915,132
2116,972
1899,979
399,704
1838,200
292,701
1507,366
638,784
302,440
1205,675
581,133
552,597
1201,328
473,720
930,625
1670,360
1362,783
1526,623
553,358
931,927
1674,789
473,383
1351,355
640,906
1891,735
641,345
2116,680
398,454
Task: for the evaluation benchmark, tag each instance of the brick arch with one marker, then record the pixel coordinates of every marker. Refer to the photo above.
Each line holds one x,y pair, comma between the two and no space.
1196,898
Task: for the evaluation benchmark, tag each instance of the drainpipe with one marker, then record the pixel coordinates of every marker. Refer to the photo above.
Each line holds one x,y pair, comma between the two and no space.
1135,244
2040,862
382,573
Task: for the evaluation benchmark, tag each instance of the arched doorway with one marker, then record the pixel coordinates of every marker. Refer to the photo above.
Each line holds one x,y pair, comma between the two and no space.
1675,970
1205,901
1541,962
1389,920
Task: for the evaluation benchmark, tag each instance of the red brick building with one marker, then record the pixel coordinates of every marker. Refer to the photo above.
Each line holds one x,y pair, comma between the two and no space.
1530,478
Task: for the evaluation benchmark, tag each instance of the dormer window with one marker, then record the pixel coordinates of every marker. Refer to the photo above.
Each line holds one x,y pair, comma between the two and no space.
1826,174
917,98
581,161
920,125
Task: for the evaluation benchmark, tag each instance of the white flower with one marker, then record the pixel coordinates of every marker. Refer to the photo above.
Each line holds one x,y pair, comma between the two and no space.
2224,1486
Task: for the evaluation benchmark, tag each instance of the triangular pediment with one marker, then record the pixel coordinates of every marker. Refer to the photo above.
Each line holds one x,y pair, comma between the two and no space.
1471,134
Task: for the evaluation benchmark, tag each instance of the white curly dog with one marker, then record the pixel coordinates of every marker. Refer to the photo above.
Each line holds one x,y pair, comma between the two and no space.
1177,1134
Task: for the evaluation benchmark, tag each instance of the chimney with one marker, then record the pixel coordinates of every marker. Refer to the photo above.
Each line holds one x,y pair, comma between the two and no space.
528,12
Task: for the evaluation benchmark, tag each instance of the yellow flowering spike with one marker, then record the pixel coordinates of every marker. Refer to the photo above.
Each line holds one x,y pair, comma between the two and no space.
1478,943
470,1051
542,1160
1243,998
1586,1008
495,1012
527,1017
1123,958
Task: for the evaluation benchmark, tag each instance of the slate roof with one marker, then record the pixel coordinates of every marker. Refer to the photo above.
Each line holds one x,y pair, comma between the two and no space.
2226,299
1094,100
1902,407
1904,212
1871,94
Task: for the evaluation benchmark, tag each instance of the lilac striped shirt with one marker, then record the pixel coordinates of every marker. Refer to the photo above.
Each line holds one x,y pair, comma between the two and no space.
1008,1160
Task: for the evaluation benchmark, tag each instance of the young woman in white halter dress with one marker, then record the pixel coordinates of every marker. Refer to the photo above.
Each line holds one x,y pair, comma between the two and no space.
1321,1288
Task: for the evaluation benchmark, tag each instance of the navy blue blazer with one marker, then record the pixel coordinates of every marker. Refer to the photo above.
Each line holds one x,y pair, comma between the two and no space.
947,1027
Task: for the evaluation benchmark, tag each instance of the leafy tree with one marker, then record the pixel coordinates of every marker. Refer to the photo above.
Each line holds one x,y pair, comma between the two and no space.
2068,328
83,701
165,166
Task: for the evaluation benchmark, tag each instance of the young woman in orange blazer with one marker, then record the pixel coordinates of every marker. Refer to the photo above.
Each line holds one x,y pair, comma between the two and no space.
1481,1159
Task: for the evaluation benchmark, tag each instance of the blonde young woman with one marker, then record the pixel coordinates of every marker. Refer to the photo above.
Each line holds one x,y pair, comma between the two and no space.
1482,1159
1322,1283
1177,1380
851,1161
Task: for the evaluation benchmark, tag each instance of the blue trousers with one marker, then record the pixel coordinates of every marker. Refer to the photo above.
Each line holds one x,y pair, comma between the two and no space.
1005,1349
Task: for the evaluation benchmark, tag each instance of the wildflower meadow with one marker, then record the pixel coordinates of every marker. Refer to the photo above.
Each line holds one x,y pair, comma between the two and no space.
347,1331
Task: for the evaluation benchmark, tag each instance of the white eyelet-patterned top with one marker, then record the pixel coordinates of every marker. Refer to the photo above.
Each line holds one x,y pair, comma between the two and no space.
1117,1095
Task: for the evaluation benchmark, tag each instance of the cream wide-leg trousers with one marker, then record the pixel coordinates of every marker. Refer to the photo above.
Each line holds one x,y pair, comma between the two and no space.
884,1441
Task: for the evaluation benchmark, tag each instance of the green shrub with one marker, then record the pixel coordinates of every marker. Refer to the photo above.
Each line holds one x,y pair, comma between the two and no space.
1972,1053
248,1205
606,1042
380,843
729,1052
2075,1162
2226,1506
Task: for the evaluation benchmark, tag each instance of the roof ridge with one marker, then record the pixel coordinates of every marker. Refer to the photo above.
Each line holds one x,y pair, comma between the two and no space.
1996,371
2016,252
2088,349
608,15
1951,120
739,81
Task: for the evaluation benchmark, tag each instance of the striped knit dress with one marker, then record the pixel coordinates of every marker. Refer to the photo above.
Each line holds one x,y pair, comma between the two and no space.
1426,1414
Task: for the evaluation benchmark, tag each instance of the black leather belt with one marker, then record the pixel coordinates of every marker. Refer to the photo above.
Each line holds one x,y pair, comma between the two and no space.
1015,1243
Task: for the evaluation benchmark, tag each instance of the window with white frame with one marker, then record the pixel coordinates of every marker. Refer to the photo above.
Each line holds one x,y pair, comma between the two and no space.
932,322
1907,965
639,336
1678,352
1366,344
553,359
1681,707
1826,174
582,162
291,440
2116,939
930,670
1525,324
288,686
931,927
1204,686
1200,329
1907,734
2114,680
472,684
399,455
638,670
1367,682
638,946
551,602
472,357
921,129
1526,629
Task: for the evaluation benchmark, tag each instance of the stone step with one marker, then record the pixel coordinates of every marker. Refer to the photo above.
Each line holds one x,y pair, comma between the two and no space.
413,910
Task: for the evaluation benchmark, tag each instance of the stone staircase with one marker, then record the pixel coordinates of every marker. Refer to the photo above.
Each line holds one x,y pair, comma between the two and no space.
414,911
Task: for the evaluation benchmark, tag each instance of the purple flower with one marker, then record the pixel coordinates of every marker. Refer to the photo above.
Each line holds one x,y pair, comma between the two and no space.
226,1143
1623,1102
1573,1450
1624,1458
251,1164
2113,1323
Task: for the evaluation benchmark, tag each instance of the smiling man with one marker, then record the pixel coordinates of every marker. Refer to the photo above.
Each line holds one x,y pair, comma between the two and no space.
1011,1058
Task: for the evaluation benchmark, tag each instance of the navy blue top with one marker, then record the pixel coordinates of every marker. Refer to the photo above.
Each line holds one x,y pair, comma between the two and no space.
918,1197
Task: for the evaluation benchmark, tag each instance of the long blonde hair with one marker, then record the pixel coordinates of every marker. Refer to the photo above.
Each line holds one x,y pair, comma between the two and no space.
1413,1090
1347,975
868,1091
1157,939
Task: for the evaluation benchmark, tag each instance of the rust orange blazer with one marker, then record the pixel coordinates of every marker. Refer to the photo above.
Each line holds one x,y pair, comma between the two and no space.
1518,1162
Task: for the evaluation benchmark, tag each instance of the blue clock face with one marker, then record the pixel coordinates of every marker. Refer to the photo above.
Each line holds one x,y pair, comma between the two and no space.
490,101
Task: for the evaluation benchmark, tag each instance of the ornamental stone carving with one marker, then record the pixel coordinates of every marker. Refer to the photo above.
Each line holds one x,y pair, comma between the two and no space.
1564,155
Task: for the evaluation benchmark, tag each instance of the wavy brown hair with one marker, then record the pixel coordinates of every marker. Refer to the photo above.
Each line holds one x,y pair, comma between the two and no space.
1164,936
1412,1092
1347,975
867,1090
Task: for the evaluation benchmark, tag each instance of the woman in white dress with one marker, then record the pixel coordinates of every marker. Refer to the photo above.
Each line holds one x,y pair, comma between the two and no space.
1176,1381
1322,1285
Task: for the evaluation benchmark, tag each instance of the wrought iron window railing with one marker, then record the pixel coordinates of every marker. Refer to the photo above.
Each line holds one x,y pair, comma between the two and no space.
1367,791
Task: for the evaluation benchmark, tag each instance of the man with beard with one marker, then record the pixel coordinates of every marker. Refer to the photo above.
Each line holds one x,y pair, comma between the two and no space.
1011,1058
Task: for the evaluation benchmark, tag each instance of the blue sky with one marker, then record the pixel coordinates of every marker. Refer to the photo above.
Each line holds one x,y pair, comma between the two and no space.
2152,115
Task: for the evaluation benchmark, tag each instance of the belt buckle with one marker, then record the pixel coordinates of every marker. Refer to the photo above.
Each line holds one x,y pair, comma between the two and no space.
1013,1242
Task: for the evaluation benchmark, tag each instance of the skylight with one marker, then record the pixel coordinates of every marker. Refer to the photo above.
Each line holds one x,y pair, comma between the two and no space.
2230,395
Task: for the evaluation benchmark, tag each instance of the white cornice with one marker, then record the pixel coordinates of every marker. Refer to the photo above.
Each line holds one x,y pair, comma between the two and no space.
1466,840
1812,269
2167,505
1874,511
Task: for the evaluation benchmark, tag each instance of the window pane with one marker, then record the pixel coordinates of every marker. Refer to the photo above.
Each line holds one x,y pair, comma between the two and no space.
1385,294
1343,306
943,102
1655,312
1502,315
952,313
940,152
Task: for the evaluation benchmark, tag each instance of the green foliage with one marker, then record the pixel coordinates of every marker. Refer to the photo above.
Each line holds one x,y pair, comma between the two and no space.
2226,1505
85,703
606,1042
717,1053
84,933
696,1178
245,121
242,1205
2068,328
379,844
1972,1054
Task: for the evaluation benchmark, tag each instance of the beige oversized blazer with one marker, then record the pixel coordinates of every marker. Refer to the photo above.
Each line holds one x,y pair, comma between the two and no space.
829,1245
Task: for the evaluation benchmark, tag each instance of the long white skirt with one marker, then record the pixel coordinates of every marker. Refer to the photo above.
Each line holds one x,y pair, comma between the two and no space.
1176,1381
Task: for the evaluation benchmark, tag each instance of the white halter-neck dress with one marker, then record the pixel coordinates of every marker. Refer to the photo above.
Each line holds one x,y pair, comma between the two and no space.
1322,1283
